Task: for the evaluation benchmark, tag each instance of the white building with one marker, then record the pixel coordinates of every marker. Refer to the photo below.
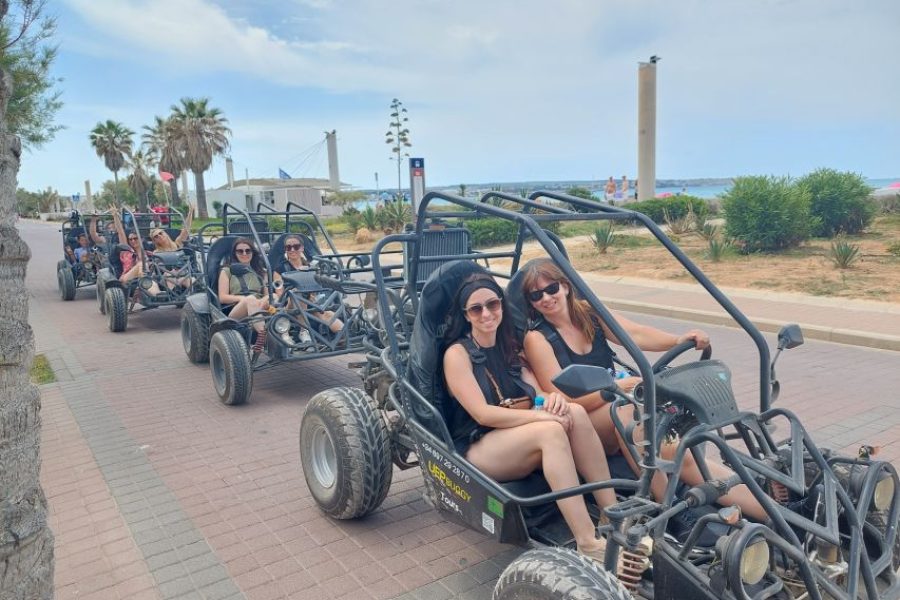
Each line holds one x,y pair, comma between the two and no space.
247,194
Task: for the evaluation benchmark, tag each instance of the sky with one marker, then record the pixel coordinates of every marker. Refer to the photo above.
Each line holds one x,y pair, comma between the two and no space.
499,90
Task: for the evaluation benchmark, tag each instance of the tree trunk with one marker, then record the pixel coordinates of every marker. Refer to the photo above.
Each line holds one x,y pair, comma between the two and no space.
26,542
116,189
142,198
175,199
201,195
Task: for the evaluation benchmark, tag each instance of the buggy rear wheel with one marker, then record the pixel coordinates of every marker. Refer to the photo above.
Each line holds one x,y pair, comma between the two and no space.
65,279
195,334
345,453
230,365
116,309
557,574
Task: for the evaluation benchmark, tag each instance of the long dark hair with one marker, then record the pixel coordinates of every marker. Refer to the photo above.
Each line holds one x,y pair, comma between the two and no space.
581,313
459,327
256,262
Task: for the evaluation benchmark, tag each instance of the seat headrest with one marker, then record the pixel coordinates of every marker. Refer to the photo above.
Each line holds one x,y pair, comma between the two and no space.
219,250
427,342
516,305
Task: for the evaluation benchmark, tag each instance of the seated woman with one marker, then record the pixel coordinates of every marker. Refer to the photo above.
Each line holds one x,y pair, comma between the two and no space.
550,296
130,260
243,288
510,444
162,242
295,261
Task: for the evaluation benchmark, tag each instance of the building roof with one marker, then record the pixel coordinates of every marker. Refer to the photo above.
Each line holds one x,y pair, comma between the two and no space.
274,182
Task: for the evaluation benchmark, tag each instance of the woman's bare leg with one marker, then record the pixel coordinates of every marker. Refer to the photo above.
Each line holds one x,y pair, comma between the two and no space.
588,453
513,453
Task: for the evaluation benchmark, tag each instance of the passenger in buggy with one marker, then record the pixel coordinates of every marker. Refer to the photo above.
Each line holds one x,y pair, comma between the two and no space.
483,373
566,330
294,260
242,287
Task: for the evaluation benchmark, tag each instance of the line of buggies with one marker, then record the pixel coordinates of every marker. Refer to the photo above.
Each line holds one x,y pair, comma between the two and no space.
832,523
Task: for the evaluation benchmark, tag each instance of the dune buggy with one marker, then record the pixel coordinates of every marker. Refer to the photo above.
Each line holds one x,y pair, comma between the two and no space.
300,325
73,272
832,523
167,278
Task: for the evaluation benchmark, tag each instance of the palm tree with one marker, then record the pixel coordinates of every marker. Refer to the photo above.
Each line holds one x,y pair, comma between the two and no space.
112,142
139,180
200,133
159,143
26,542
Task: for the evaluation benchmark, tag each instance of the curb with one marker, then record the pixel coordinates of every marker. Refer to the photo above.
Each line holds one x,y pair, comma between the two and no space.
817,332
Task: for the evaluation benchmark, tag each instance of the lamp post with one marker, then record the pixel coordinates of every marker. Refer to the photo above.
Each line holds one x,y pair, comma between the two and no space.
646,183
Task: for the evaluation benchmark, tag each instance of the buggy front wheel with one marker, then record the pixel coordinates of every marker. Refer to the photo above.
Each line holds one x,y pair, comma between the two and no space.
65,279
557,574
101,293
345,453
116,309
229,361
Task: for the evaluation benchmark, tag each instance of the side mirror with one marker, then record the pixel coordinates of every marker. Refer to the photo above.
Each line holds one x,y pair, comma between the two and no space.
789,337
578,380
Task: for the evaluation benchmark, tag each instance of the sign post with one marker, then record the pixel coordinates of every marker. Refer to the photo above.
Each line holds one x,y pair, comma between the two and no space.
416,183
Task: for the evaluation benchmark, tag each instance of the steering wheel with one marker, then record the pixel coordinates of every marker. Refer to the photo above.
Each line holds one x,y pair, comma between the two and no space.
664,360
329,268
358,261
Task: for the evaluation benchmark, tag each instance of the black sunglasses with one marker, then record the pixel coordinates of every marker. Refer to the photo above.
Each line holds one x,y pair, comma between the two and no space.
492,305
551,290
290,247
243,250
133,238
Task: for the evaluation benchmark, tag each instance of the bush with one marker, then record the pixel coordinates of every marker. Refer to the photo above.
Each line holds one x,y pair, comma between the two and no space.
603,236
491,231
217,208
840,202
894,249
656,208
843,254
767,213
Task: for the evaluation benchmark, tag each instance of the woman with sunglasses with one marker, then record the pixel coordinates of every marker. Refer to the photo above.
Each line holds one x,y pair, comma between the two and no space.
243,287
585,338
294,260
162,242
481,369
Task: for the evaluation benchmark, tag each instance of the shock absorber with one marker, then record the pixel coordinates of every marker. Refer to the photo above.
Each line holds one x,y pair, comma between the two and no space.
633,563
779,492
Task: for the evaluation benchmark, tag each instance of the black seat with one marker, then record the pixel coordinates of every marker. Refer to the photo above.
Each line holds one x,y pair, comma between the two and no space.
242,227
171,259
449,241
218,251
427,343
516,305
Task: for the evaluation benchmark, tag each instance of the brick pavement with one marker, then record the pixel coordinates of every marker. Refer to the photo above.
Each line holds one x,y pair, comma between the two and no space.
138,451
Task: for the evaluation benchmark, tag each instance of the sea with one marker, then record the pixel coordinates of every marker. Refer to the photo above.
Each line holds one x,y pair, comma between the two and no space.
700,188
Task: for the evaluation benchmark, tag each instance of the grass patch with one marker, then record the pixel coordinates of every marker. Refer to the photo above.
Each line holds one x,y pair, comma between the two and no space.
41,372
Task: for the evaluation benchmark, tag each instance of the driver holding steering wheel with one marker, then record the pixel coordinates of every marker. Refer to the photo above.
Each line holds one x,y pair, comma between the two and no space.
569,331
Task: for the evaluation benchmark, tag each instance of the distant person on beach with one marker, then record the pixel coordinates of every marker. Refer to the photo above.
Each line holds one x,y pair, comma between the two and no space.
609,192
624,189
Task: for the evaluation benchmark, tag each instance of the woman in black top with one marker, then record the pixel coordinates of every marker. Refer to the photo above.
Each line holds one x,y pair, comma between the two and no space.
510,444
550,296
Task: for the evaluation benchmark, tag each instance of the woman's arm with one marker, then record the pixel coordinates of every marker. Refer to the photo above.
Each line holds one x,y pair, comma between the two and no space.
542,360
186,230
652,339
120,229
464,387
92,229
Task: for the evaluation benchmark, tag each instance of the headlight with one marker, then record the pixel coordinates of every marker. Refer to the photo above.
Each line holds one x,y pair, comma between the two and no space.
281,325
754,562
146,283
884,493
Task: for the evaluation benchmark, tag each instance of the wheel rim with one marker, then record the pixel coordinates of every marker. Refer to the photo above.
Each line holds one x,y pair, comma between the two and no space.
186,334
218,372
324,458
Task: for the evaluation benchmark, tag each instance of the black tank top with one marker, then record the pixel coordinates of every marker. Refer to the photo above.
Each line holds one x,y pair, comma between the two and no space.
600,354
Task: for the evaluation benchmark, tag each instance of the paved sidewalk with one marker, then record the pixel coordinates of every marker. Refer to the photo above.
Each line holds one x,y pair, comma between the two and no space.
857,322
157,490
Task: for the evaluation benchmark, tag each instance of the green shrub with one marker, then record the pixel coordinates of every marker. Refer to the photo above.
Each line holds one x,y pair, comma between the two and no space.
718,248
842,253
492,231
352,217
369,218
217,207
656,208
603,236
767,213
840,201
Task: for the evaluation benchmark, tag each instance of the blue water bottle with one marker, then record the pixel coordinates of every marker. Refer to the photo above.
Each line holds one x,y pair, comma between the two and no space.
538,403
621,374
